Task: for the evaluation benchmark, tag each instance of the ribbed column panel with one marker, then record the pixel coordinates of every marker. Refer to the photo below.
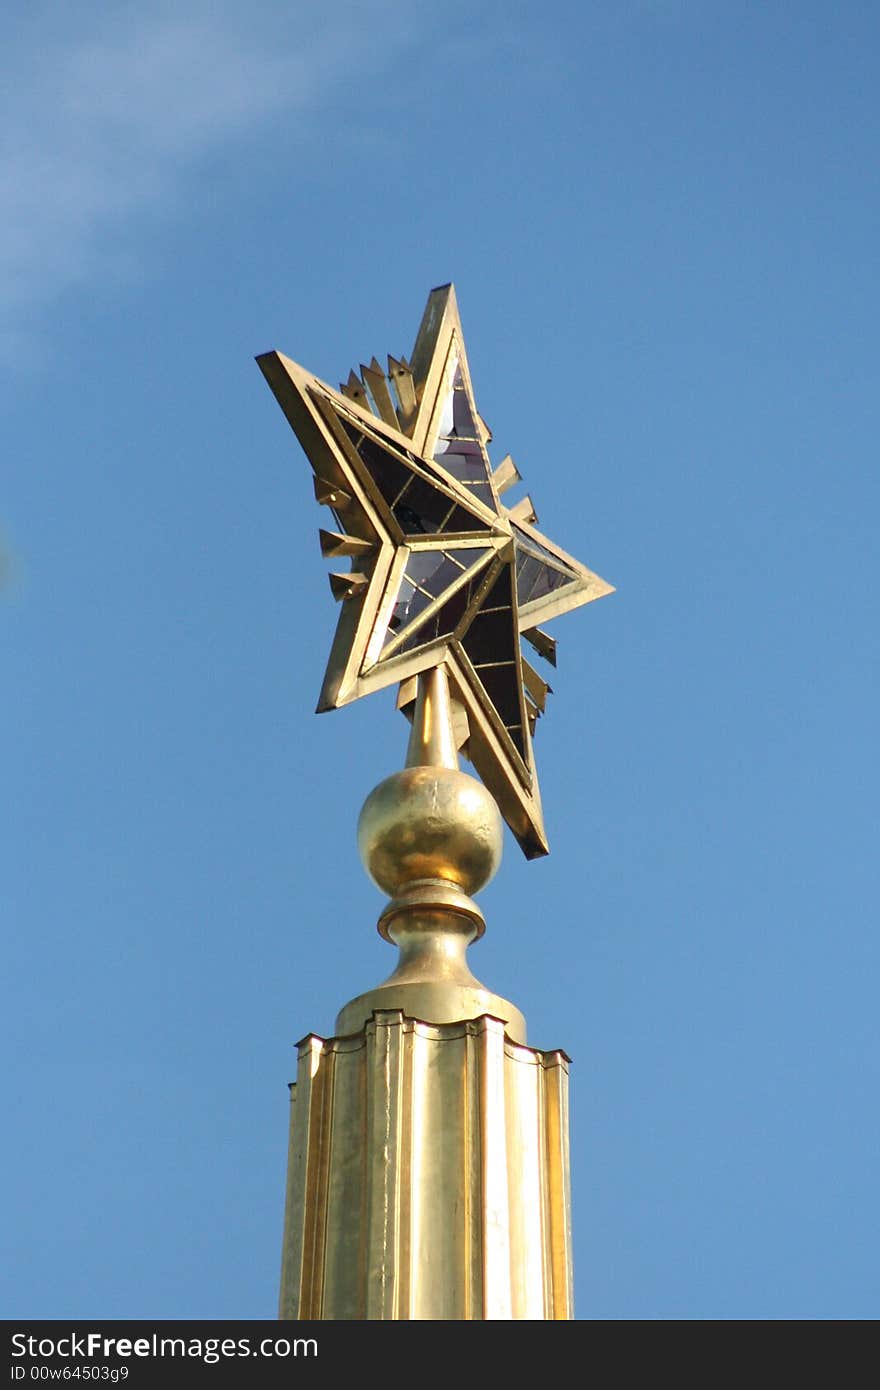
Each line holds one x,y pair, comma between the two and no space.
428,1176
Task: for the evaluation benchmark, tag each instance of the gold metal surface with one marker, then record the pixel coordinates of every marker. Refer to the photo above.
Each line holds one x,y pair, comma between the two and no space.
430,822
421,991
428,1176
432,738
404,425
429,836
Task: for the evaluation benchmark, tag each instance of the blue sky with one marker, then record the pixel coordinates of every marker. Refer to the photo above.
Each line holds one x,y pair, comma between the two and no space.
662,223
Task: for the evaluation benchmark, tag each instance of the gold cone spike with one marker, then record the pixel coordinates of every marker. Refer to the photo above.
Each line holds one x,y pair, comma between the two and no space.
431,740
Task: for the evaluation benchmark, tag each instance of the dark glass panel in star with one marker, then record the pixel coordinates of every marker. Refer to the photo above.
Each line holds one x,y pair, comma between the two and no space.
447,414
538,572
409,604
491,636
528,571
500,685
471,473
421,509
463,458
423,564
418,507
428,574
464,424
388,473
522,538
442,577
491,644
444,622
467,467
484,492
456,416
464,521
458,448
547,582
435,570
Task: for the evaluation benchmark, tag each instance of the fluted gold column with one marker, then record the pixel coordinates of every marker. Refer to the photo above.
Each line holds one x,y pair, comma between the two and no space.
428,1175
428,1171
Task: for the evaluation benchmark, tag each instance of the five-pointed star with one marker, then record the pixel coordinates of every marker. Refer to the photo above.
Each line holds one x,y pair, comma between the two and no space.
442,572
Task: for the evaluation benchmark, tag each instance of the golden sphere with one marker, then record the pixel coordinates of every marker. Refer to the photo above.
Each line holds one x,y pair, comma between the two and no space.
430,822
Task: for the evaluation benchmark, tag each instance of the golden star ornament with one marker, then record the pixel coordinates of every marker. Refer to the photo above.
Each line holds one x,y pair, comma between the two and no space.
442,572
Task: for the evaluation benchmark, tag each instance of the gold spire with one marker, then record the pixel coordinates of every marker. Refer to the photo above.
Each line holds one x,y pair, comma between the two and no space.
430,836
428,1174
432,741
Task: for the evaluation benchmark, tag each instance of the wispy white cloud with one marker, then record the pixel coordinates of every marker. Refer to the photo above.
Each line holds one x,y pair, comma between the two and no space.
105,120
